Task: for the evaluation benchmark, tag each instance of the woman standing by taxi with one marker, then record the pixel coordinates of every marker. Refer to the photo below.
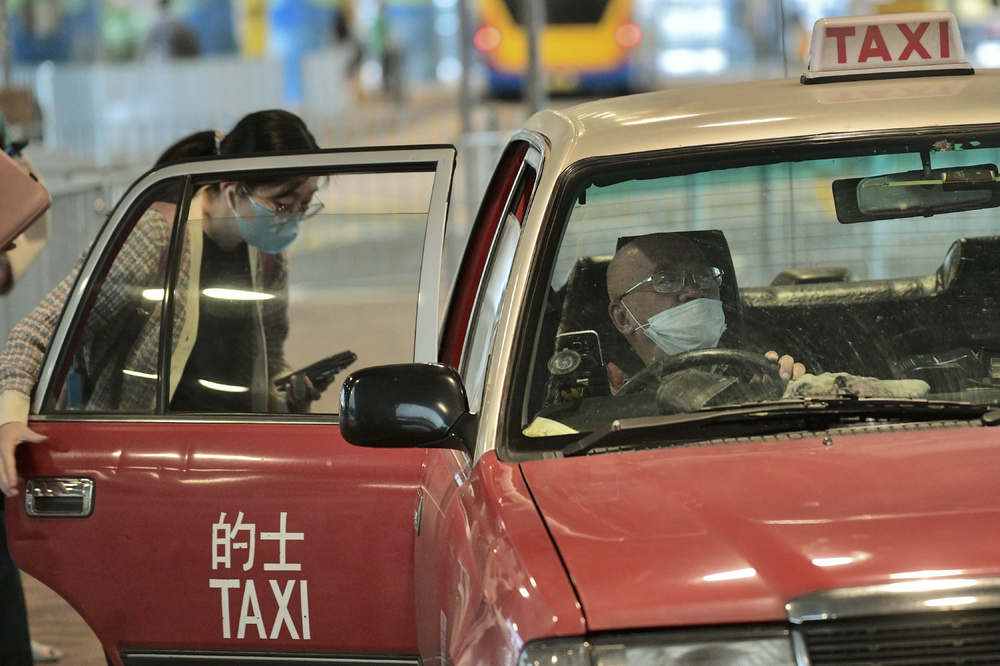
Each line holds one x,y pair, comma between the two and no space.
237,237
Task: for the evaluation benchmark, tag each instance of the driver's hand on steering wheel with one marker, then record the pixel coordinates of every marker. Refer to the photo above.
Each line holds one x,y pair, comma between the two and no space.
788,369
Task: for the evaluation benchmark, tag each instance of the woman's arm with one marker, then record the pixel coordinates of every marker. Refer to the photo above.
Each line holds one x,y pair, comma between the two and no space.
21,360
19,366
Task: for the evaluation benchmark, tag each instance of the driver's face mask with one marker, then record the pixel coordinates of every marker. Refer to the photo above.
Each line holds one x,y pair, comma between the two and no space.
268,231
697,324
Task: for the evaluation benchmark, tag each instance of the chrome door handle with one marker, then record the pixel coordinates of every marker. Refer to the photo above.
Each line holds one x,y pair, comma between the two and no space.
59,497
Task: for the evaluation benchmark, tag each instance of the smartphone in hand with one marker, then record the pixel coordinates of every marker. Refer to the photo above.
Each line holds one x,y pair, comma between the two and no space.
322,372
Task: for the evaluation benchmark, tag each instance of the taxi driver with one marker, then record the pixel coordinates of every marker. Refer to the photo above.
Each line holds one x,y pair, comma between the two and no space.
665,300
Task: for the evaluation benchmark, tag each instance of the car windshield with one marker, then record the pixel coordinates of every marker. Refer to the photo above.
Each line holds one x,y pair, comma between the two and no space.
872,261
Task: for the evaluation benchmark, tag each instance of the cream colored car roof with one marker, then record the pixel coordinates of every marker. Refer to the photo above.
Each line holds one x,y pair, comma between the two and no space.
762,110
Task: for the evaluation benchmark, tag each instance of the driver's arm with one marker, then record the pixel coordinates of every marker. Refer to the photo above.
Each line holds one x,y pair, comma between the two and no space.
788,369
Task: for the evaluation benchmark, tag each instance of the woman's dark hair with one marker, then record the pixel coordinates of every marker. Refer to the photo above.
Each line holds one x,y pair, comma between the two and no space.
260,132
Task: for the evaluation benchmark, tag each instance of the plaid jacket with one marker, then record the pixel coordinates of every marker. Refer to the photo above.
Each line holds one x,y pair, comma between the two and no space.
117,350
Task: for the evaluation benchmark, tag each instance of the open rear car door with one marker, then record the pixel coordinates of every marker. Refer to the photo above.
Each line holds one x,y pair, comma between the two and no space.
185,533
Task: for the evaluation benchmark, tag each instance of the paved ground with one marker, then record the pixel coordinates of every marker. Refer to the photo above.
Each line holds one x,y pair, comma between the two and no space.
54,622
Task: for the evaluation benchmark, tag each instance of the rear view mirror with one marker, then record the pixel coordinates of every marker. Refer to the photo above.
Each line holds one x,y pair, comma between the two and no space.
916,193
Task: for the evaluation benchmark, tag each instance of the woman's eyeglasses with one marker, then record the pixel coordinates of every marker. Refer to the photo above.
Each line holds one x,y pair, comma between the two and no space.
305,210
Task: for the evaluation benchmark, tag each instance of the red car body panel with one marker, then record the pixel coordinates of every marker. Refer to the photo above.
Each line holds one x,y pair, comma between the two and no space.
729,533
490,577
352,508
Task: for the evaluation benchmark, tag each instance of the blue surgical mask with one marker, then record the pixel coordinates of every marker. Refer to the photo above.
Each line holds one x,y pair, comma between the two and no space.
697,324
268,231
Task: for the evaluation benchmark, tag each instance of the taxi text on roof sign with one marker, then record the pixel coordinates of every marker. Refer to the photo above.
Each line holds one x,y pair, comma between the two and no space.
888,45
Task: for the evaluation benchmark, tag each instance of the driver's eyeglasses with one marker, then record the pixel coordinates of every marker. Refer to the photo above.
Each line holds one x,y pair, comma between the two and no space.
669,281
307,209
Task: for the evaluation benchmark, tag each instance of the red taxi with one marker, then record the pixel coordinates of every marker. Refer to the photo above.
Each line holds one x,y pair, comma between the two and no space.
596,458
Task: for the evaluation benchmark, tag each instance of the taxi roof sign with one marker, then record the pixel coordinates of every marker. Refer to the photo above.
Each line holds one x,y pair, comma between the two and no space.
888,45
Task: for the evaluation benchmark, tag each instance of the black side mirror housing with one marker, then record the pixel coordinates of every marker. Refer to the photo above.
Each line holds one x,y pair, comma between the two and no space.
408,405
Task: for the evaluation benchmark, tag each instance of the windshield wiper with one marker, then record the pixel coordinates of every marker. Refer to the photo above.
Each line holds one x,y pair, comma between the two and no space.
754,419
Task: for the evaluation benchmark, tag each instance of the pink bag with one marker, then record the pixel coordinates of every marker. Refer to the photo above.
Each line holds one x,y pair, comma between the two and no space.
22,199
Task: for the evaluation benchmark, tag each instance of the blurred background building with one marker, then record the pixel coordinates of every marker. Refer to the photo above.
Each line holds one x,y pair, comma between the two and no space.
97,70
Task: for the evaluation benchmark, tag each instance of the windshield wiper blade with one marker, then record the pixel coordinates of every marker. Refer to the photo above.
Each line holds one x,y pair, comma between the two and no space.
849,403
747,420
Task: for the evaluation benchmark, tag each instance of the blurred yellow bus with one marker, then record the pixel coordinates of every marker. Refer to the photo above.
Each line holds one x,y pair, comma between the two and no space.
587,46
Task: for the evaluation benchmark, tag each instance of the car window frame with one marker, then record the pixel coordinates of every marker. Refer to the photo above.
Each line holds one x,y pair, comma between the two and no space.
437,159
463,298
496,277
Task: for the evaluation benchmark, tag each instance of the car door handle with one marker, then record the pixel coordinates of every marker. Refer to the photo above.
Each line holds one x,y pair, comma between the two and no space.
59,497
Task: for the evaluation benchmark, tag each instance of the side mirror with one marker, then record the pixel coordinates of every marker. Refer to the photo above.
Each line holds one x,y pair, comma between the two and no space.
407,405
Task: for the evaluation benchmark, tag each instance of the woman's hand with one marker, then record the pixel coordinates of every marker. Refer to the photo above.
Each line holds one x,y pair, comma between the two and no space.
300,394
12,434
787,367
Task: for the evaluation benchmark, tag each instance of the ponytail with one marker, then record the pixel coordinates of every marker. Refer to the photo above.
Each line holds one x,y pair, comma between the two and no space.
199,144
260,132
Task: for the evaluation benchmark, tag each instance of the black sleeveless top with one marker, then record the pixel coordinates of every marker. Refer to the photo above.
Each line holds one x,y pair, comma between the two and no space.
219,373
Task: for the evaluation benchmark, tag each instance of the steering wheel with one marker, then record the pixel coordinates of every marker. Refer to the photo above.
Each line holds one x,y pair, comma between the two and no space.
745,365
